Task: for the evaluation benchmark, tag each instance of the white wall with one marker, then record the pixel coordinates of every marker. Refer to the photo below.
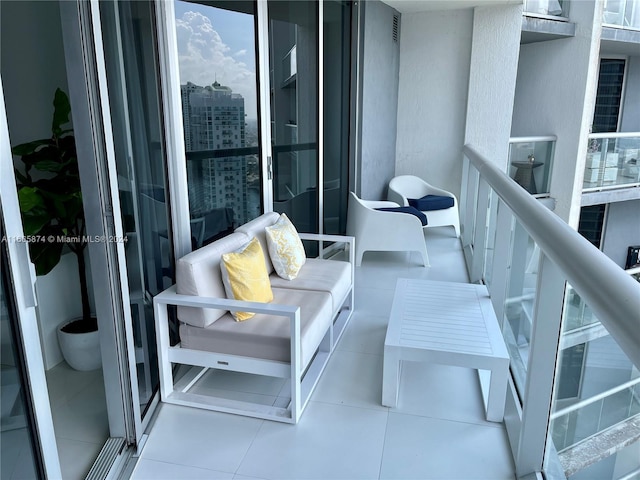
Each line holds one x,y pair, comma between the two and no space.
379,100
492,80
555,95
435,51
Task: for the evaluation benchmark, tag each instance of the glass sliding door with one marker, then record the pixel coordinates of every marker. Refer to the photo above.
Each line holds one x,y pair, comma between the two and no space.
217,58
27,440
18,457
293,72
336,101
128,34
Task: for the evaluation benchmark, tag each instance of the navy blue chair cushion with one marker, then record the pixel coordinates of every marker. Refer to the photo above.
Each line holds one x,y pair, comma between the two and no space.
431,202
410,210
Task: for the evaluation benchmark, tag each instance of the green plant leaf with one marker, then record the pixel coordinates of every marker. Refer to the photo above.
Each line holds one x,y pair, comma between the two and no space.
62,109
30,147
32,224
29,198
50,166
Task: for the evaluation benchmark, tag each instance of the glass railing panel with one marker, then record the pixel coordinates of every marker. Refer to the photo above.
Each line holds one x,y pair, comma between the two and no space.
612,161
597,390
577,313
531,163
520,300
546,8
622,13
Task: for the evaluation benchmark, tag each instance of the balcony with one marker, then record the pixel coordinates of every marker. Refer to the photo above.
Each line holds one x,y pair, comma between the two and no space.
622,14
546,8
531,163
613,161
438,429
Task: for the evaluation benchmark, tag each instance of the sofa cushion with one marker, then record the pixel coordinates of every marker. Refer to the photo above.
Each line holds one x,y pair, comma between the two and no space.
245,276
431,202
410,210
331,276
266,336
255,228
198,273
285,248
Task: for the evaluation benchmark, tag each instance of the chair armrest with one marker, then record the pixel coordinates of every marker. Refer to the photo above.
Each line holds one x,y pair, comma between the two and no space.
438,191
379,204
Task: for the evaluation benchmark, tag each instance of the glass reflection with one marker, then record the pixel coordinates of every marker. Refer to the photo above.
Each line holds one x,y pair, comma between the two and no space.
216,50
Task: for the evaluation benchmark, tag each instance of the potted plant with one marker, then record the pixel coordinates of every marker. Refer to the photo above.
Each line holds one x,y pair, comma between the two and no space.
53,217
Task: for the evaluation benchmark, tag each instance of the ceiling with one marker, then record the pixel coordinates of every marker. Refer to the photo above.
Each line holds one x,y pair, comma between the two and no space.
413,6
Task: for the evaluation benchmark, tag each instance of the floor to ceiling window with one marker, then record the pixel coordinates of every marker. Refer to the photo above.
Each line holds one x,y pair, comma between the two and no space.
219,93
293,74
337,117
128,32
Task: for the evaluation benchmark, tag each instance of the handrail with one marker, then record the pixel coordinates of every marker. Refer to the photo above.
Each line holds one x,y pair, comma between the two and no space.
597,136
612,295
539,138
595,398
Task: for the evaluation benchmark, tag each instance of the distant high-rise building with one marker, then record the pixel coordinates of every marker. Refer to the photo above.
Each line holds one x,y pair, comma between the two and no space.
214,121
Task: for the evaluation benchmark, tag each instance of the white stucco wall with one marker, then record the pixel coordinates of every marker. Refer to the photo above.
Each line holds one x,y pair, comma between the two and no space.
379,100
492,81
435,50
555,95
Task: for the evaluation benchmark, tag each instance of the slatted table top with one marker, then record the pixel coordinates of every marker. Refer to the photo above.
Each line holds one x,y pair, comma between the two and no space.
444,316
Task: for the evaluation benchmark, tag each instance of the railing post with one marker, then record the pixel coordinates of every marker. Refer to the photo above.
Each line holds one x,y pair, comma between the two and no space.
470,190
543,353
480,232
500,267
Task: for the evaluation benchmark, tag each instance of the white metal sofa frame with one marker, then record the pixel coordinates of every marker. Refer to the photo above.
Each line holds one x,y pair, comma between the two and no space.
377,230
403,187
302,382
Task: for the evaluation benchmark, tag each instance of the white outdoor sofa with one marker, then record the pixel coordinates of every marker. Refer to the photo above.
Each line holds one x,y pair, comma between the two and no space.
291,337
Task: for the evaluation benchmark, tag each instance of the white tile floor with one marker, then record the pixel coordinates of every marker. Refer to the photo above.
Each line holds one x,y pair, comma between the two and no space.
438,430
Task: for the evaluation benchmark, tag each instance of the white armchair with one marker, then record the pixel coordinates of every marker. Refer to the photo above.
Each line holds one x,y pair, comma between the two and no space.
376,230
404,187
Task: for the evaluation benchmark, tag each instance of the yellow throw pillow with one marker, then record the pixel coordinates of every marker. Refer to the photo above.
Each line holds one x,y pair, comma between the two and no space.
245,277
285,248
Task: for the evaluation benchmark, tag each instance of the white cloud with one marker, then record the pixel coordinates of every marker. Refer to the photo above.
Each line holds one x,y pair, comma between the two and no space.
204,57
240,53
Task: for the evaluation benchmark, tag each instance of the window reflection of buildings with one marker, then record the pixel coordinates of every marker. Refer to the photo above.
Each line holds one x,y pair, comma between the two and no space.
214,120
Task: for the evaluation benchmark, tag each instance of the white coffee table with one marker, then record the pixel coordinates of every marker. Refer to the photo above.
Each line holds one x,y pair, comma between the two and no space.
446,323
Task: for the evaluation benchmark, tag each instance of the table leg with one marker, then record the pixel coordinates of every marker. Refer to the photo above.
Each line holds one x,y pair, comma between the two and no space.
497,393
390,377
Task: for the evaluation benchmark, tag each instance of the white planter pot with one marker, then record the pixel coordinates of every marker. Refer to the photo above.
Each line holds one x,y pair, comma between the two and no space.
80,350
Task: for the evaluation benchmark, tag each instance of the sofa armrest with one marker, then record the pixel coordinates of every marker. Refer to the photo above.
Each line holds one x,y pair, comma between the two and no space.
170,297
349,240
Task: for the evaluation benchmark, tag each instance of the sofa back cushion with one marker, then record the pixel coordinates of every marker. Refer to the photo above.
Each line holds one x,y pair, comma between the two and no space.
198,273
255,228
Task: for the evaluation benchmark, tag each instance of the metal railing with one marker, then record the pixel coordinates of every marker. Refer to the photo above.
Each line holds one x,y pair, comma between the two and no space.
530,255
